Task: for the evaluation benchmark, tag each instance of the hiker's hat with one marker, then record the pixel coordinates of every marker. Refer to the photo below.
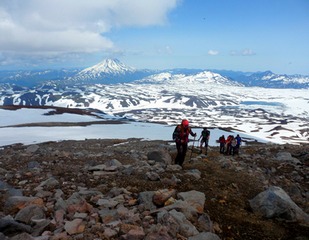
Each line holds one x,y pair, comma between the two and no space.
185,123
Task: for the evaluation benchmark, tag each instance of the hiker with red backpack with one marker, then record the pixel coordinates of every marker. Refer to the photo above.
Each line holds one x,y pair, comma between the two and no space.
222,143
228,144
181,138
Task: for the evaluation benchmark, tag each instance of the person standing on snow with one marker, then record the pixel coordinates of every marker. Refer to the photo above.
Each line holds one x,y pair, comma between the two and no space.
181,138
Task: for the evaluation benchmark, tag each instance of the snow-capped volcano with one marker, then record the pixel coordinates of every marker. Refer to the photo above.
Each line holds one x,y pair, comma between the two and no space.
109,66
107,69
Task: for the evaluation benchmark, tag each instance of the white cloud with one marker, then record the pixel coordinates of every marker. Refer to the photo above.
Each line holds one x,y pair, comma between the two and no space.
59,26
244,52
213,52
247,52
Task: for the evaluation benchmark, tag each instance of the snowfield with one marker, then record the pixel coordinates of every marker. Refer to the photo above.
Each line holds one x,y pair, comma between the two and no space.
30,135
206,99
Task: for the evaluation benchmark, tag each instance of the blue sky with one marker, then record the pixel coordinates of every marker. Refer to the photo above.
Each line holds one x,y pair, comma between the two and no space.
240,35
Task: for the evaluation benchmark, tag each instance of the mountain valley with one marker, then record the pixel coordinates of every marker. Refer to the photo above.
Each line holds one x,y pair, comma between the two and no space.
206,98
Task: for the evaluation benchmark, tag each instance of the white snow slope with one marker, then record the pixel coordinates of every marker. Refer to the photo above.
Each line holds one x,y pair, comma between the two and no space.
279,115
205,99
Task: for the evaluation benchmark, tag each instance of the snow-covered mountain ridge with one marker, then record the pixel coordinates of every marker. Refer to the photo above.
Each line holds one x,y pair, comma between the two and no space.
205,77
269,79
111,71
206,99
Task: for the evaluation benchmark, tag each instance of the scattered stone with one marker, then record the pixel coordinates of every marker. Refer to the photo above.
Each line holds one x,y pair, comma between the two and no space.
15,203
33,165
205,236
48,184
75,226
184,227
161,196
194,198
145,199
153,176
25,215
108,189
9,227
32,148
194,173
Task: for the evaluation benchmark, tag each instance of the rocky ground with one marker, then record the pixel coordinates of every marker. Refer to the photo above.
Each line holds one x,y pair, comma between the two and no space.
129,189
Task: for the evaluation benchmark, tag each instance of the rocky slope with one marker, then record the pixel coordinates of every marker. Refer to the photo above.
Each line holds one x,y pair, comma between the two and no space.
129,189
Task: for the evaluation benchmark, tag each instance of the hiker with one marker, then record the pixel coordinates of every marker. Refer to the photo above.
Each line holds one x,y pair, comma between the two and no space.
205,134
181,137
222,143
238,139
233,149
228,144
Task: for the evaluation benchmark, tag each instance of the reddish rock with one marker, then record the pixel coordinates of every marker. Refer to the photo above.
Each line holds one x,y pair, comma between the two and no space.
81,207
161,196
16,203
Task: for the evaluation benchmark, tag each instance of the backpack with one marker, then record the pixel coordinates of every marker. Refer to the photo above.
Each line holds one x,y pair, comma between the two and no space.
234,142
205,134
175,133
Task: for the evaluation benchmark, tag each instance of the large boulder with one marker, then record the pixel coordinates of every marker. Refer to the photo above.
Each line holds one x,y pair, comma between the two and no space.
194,198
162,156
177,223
287,157
275,203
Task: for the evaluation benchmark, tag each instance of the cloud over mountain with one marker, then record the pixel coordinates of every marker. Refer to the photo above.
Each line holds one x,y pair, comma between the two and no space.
53,27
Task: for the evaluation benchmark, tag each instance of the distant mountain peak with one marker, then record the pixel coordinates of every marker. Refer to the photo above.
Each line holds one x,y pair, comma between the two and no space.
205,77
108,66
107,69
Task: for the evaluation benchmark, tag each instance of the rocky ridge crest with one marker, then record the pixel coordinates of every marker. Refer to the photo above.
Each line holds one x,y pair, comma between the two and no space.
130,189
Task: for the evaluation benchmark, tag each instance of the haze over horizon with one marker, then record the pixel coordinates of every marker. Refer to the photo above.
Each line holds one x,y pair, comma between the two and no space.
240,35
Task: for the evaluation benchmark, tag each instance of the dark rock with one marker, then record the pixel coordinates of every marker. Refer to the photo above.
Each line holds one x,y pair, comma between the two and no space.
160,156
11,227
26,214
275,203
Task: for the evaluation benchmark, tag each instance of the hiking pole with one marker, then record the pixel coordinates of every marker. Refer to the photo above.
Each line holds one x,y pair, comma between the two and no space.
192,149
